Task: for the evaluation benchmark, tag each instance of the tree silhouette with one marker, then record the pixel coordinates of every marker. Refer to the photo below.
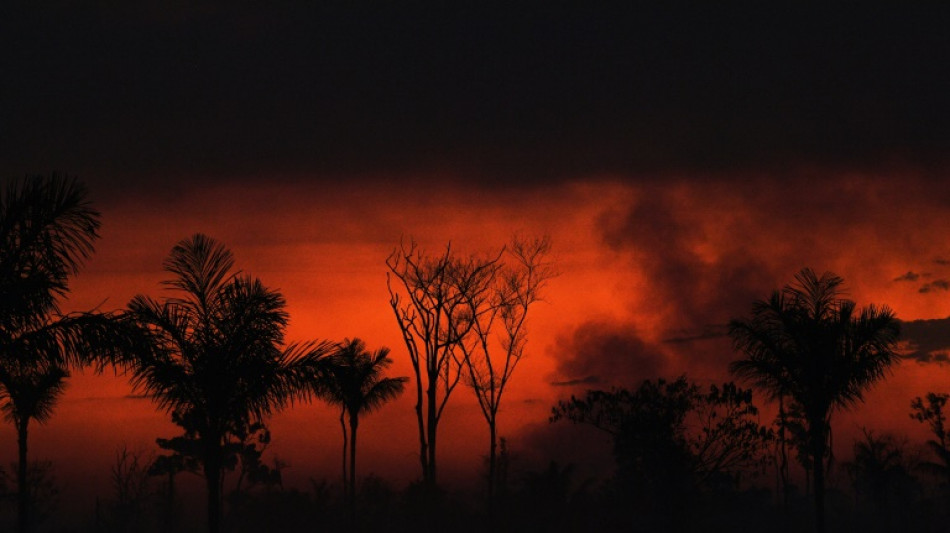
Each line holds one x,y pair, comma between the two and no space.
810,345
671,437
434,300
183,458
791,433
216,362
490,363
354,380
881,472
28,394
131,490
930,410
47,230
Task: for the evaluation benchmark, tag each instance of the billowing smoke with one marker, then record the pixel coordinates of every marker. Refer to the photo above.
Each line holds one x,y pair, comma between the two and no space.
601,354
700,253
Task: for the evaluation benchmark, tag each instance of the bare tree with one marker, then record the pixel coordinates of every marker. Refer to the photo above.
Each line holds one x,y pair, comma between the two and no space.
490,356
434,299
132,489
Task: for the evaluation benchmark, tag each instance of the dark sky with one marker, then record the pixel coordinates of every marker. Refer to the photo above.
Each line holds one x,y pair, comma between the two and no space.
537,92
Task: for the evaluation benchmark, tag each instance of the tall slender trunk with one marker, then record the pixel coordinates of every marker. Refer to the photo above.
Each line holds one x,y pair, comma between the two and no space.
169,518
23,489
354,423
432,426
783,451
343,427
492,462
212,469
423,448
818,436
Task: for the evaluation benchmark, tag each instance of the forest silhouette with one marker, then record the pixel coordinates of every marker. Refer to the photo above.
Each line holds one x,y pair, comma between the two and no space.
212,355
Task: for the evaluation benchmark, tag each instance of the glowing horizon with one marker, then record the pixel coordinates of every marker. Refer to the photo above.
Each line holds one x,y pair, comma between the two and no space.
646,273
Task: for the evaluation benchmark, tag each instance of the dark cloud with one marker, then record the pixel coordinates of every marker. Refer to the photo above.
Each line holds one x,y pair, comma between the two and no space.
605,354
935,285
523,94
703,253
589,380
136,397
665,241
926,341
941,261
909,276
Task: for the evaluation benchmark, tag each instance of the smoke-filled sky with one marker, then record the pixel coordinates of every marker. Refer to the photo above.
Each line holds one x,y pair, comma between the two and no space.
685,162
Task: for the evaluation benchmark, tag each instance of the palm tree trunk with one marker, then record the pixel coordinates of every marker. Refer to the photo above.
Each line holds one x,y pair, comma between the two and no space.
819,495
212,469
354,423
23,489
817,428
343,427
169,518
783,452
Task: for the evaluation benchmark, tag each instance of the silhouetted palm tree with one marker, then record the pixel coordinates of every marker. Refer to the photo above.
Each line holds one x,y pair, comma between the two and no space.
354,380
47,228
216,361
28,393
808,344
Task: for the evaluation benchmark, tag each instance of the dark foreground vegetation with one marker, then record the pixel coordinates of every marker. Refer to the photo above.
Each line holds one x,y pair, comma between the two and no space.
883,490
212,355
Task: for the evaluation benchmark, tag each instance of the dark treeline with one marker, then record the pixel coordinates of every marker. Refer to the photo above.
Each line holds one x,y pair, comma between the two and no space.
212,355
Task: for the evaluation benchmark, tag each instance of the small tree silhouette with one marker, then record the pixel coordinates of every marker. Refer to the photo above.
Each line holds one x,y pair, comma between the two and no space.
28,393
183,458
216,360
435,301
881,472
353,379
930,410
44,489
132,490
490,356
671,440
808,344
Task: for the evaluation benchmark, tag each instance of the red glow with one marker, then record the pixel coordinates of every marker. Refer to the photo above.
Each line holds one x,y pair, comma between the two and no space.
325,250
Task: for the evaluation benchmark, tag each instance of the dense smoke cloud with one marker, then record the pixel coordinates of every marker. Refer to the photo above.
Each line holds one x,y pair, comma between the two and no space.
600,355
700,253
927,341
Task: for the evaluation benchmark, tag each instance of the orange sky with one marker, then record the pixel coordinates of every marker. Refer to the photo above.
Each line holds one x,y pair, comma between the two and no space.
647,269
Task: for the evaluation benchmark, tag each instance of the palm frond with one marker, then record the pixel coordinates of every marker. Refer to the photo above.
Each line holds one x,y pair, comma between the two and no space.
31,393
214,358
353,377
47,230
47,223
808,343
383,391
200,265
